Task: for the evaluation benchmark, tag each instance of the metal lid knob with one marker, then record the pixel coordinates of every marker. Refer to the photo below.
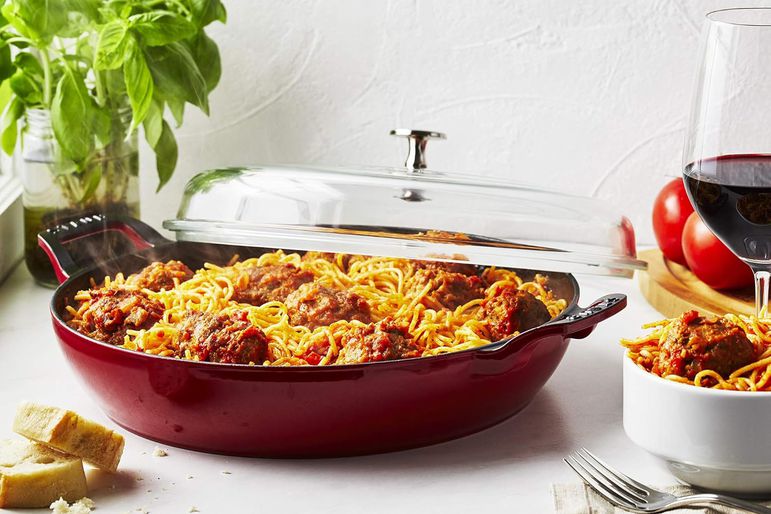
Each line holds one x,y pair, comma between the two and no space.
416,149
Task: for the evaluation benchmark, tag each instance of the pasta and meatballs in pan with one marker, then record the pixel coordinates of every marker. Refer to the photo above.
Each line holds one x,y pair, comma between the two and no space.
286,309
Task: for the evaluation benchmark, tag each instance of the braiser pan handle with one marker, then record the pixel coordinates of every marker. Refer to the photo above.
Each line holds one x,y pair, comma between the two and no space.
52,240
576,325
581,323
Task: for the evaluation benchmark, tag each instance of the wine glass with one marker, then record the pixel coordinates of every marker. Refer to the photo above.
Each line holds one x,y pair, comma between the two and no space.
727,156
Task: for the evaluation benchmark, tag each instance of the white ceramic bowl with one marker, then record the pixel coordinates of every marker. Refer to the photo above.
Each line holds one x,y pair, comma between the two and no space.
718,440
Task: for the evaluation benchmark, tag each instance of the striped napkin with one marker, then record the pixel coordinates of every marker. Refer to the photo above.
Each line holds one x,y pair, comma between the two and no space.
579,498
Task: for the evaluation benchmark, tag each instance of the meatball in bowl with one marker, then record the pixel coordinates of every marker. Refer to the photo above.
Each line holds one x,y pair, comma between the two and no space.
695,397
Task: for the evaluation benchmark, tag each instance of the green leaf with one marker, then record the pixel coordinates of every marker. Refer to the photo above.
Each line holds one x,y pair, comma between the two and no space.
102,126
165,155
207,56
207,11
87,8
139,84
159,28
6,93
39,20
10,126
115,83
153,123
177,76
81,15
71,117
111,48
6,63
27,80
177,108
221,14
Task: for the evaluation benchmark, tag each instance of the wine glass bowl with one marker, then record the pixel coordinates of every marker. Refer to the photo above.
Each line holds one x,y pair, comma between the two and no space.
727,154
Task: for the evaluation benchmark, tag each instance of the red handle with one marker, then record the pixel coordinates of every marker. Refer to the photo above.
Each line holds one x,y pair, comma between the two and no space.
577,325
52,241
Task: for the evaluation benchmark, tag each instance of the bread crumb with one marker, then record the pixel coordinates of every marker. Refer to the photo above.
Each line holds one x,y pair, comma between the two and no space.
60,506
194,509
159,452
88,502
82,506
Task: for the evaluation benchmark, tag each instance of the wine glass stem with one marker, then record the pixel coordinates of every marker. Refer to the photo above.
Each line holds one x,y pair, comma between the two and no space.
762,286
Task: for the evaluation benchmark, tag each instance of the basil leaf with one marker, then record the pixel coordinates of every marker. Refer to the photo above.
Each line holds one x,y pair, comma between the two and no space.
88,9
221,14
27,80
153,123
6,93
111,47
102,126
39,20
165,155
71,117
115,84
161,27
177,108
207,11
6,64
177,76
207,55
10,125
139,84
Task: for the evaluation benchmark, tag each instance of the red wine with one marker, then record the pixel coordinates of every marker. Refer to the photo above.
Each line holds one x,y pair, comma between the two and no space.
732,194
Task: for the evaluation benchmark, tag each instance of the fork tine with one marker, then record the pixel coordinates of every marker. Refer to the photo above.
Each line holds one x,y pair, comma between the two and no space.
631,497
631,482
610,476
600,487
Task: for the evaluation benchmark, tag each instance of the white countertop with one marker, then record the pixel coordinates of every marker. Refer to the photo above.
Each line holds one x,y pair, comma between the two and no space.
507,468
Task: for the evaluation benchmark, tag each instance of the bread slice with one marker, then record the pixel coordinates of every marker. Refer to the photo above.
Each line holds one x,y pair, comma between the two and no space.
34,475
67,431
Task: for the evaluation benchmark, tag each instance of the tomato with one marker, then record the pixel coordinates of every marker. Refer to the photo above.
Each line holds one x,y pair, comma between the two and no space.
670,211
710,259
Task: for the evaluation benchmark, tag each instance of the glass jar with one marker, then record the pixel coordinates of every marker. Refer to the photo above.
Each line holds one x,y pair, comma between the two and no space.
56,189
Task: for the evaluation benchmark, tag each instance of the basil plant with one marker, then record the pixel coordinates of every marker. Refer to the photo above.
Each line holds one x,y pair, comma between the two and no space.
84,61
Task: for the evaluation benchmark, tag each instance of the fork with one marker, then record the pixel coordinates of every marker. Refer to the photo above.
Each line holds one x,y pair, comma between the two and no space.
628,493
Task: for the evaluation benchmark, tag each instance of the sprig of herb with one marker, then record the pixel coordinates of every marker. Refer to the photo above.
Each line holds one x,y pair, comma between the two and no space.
86,60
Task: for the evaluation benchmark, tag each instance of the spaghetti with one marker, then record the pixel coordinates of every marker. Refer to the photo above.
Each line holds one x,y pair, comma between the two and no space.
391,288
753,375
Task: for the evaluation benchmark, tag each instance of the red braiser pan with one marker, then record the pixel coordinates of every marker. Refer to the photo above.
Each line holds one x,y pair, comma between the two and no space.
301,411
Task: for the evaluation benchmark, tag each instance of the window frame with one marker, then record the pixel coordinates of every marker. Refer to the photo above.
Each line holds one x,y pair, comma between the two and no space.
11,222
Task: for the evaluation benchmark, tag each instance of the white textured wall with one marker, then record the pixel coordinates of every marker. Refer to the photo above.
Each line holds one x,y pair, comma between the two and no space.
588,97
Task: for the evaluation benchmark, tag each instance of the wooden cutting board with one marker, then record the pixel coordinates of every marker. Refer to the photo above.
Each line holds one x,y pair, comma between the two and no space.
672,289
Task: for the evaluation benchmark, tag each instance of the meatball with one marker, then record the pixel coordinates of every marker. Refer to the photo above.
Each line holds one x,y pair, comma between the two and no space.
512,310
112,312
229,339
450,267
272,283
449,290
314,305
381,341
159,276
694,343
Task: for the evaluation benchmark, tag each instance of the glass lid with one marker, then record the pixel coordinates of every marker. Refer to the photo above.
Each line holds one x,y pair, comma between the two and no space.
408,212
